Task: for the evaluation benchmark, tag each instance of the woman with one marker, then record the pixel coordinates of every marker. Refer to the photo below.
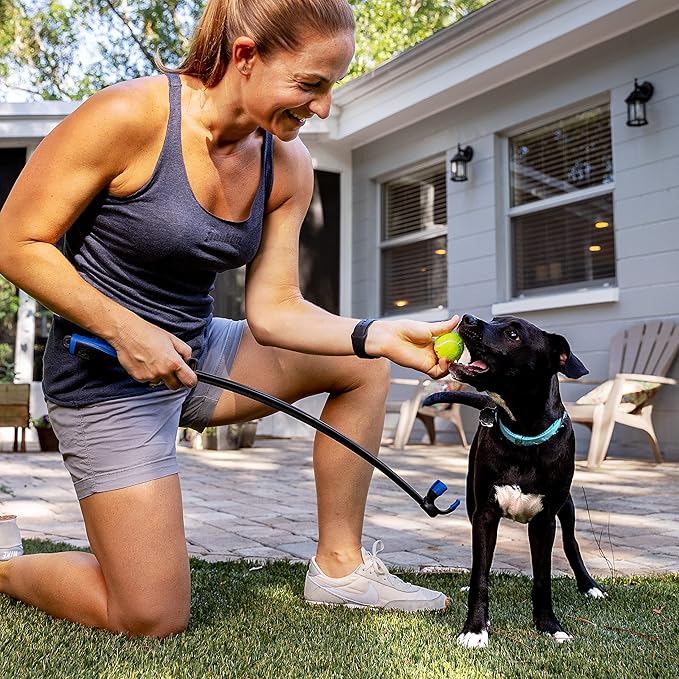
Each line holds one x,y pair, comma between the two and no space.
157,184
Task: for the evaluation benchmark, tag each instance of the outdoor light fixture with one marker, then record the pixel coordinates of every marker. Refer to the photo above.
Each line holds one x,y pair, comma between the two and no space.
458,163
636,103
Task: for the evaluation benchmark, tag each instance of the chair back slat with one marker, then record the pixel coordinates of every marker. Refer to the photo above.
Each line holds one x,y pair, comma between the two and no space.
646,348
667,346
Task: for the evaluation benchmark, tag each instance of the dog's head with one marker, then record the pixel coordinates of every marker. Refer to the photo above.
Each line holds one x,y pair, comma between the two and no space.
511,350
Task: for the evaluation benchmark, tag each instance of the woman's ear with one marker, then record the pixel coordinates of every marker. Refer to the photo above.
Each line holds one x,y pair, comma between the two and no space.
243,54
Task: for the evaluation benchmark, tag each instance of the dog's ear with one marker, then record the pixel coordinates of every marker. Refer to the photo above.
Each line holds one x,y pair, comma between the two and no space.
565,360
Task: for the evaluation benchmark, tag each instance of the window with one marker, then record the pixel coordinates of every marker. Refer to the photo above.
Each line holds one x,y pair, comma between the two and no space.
413,243
561,205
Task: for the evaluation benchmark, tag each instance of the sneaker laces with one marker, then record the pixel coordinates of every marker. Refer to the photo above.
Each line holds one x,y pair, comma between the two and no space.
373,564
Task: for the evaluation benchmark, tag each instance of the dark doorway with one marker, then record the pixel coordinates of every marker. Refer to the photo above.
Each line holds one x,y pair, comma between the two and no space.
12,161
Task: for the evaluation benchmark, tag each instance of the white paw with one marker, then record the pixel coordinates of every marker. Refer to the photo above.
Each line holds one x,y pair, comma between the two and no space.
560,637
472,640
464,589
596,593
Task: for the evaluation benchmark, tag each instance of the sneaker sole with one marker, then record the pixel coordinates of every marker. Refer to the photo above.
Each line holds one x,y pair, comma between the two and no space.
379,608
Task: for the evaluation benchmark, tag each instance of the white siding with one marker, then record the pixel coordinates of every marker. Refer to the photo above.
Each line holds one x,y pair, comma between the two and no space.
646,200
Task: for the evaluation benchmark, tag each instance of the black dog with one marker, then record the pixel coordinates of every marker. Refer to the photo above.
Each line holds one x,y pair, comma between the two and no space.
522,459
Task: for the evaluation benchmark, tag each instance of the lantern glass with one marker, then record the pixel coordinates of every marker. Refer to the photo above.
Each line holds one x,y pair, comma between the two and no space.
458,170
636,114
458,163
636,104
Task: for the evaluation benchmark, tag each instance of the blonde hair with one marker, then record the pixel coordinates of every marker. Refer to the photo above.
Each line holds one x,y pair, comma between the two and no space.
272,24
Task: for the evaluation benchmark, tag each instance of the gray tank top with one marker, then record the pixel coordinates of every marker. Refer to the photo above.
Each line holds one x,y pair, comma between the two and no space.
156,252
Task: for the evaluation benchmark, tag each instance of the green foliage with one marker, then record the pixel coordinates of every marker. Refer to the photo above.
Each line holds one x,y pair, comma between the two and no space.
9,305
6,363
251,623
385,28
68,49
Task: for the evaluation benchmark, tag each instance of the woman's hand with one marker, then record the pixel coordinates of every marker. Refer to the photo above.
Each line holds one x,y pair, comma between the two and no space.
410,343
150,354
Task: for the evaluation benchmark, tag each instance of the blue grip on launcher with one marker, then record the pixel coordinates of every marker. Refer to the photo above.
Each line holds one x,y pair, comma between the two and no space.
438,488
82,346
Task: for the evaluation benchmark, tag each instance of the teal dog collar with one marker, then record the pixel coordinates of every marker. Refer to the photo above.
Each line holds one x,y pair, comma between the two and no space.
520,440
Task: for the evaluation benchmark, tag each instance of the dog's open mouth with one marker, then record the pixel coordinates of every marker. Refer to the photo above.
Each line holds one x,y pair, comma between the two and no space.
475,367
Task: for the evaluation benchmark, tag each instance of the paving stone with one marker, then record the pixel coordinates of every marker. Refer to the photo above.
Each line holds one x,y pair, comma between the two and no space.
301,550
260,503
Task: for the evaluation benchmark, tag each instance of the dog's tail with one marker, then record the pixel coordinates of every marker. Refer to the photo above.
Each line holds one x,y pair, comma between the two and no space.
467,398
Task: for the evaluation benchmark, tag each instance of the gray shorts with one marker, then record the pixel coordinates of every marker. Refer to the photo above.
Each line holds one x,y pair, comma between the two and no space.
122,442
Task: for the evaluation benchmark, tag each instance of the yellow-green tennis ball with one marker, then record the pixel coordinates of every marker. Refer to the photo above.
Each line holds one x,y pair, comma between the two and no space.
449,346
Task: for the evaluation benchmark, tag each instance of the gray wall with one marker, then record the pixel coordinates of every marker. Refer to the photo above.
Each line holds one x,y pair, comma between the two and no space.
646,203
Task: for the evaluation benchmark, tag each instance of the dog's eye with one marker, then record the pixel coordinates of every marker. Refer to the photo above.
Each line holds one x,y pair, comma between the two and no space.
512,334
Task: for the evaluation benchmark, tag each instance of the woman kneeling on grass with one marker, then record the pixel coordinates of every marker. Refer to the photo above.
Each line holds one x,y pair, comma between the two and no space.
157,185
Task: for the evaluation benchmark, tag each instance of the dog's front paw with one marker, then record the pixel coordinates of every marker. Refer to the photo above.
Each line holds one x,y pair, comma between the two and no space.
595,593
561,637
473,639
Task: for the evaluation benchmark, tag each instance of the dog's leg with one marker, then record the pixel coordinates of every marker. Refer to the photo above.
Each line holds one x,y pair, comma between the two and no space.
471,475
586,584
484,537
541,531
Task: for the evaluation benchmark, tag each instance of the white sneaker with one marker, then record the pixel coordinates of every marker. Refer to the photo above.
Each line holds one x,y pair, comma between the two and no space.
371,585
10,538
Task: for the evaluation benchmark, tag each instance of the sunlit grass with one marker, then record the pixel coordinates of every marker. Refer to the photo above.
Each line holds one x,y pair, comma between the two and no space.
252,624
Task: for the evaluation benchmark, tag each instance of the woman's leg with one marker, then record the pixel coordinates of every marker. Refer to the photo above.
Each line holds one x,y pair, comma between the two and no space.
137,579
356,406
340,573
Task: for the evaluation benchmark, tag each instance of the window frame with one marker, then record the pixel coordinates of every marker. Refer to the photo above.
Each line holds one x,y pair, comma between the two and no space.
562,295
431,313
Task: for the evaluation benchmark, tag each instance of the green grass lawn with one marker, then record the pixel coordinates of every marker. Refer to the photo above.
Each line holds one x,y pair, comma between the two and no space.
252,624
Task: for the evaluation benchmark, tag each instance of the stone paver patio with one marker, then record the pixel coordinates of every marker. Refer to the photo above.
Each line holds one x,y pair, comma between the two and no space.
259,503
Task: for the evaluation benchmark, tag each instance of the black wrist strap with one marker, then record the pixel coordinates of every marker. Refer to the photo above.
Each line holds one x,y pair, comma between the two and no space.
359,336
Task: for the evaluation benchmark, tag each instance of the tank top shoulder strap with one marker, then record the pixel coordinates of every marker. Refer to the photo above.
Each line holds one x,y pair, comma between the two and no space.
171,160
268,164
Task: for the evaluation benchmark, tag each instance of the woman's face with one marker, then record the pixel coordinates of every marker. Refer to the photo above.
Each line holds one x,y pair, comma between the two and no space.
289,87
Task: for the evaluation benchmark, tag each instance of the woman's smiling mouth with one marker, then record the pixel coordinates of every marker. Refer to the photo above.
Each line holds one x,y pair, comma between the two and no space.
300,120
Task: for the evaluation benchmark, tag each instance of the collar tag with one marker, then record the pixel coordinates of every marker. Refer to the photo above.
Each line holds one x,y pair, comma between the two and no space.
487,417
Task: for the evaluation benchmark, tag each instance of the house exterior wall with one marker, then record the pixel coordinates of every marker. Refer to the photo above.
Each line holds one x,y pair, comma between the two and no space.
646,203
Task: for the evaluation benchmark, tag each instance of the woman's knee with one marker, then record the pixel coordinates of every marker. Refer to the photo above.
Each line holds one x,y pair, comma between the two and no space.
373,375
145,620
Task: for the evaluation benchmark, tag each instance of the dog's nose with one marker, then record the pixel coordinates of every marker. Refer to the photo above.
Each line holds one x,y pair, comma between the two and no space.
468,319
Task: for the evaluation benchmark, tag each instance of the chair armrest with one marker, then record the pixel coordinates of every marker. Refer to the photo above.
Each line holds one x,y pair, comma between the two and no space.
406,380
579,380
646,378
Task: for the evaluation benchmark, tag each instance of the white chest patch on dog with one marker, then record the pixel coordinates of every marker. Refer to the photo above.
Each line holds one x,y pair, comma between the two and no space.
516,505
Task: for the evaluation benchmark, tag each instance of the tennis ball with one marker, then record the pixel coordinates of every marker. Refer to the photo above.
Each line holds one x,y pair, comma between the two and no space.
449,346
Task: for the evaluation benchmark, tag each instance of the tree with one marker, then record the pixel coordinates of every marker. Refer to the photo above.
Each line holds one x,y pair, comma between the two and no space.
385,28
67,49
